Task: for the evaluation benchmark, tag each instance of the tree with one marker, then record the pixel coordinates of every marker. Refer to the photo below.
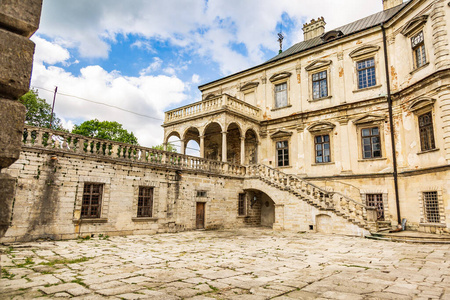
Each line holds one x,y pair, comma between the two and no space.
39,112
106,130
170,148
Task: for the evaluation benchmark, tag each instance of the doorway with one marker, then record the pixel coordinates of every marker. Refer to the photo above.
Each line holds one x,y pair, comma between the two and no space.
200,215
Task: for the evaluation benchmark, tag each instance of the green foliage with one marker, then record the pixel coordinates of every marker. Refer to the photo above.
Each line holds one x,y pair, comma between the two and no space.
170,148
39,112
106,130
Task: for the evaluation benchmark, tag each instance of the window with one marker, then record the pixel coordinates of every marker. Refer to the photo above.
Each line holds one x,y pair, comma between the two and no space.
319,82
241,205
201,193
418,47
371,143
376,200
431,207
426,132
92,200
282,154
322,148
366,73
145,202
281,99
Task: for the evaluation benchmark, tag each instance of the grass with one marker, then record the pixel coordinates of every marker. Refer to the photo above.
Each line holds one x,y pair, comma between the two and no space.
28,261
65,261
6,274
80,282
356,266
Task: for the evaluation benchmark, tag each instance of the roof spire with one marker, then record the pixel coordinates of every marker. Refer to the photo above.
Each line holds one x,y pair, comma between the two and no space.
280,38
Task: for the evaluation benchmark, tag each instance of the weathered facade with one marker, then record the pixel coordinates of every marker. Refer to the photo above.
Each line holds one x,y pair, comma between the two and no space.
18,21
345,132
363,109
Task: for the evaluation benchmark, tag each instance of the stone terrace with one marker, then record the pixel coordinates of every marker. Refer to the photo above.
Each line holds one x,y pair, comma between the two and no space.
252,263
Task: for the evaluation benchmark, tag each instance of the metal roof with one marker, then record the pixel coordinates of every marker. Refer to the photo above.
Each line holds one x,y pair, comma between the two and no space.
354,27
362,24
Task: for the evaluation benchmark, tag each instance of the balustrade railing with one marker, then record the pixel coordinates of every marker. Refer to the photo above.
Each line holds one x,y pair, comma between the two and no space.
44,138
318,196
212,104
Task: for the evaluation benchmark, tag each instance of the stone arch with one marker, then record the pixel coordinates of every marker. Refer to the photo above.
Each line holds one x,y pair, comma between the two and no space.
260,208
173,133
234,134
213,141
191,134
251,146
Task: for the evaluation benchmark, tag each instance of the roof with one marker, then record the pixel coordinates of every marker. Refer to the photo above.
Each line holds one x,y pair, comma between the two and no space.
357,26
351,28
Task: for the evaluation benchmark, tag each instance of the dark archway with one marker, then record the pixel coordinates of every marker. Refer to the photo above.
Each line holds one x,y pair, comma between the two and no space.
213,141
234,144
251,147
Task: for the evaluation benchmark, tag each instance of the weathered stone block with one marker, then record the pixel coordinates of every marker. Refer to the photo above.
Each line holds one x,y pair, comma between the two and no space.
7,191
16,61
20,16
12,117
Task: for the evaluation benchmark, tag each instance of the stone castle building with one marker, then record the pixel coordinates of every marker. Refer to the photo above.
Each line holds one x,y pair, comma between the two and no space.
345,132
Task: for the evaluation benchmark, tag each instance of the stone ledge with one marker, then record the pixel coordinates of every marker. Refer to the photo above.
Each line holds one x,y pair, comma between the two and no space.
90,220
20,16
144,219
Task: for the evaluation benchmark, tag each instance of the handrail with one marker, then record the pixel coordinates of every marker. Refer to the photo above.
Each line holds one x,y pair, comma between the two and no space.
45,138
211,104
318,196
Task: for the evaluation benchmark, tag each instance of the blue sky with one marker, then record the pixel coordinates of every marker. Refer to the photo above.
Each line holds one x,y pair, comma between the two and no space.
148,56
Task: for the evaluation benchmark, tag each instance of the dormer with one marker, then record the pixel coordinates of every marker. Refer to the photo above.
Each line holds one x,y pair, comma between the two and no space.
331,35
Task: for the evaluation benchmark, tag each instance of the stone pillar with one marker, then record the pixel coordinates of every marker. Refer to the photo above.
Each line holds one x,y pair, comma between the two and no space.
224,146
345,147
440,35
165,146
183,147
444,102
242,150
18,21
202,146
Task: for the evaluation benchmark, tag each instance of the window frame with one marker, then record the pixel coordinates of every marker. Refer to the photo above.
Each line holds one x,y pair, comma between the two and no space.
283,149
419,47
429,129
277,80
142,198
419,108
370,137
370,121
315,68
322,149
242,204
88,214
366,68
377,203
275,93
364,53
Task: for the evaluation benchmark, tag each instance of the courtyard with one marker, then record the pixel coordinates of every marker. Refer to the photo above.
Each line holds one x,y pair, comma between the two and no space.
251,263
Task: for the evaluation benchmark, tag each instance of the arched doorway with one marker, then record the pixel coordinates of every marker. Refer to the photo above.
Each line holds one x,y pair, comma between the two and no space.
260,208
251,147
213,141
234,144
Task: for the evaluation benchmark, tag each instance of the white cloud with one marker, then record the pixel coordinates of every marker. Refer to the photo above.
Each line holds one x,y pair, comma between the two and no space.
147,95
209,28
154,66
195,79
47,52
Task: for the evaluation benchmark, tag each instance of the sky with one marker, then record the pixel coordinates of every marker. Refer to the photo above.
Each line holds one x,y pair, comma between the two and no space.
140,58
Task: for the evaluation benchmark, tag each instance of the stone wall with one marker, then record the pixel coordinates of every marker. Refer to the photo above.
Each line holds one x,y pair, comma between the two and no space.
18,21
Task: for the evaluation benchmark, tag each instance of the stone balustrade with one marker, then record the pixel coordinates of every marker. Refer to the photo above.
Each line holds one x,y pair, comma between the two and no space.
212,104
63,142
341,204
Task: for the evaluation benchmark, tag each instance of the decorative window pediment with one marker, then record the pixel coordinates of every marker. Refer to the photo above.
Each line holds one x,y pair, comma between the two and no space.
321,127
249,86
413,25
281,134
331,35
369,118
317,64
363,50
280,76
421,103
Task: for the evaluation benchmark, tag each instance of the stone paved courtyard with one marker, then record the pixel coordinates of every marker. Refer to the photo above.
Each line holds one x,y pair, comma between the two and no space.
251,263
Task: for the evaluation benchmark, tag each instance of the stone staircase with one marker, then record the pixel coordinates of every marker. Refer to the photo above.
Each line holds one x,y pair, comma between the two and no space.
339,204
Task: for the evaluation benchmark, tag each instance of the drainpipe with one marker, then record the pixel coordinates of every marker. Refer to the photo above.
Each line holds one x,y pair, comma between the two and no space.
391,124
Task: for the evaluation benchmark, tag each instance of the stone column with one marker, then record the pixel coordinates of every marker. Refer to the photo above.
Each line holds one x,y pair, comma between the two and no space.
444,100
183,147
344,146
224,146
202,146
165,146
18,21
440,35
242,150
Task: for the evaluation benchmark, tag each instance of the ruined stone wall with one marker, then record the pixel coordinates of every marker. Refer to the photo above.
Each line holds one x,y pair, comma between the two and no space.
49,193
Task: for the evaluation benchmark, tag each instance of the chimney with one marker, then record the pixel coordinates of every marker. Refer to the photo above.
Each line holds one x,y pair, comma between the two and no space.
391,3
314,28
